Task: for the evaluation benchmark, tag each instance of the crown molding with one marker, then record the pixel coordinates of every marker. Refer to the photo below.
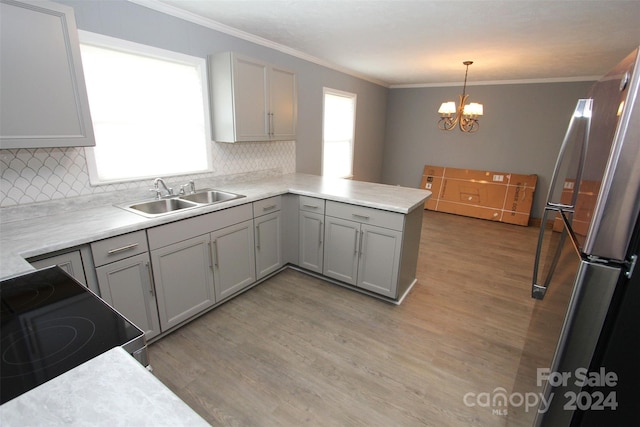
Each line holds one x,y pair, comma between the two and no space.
500,82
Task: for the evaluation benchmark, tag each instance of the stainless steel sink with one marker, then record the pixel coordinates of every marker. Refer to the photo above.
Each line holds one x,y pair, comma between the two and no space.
208,196
161,207
205,197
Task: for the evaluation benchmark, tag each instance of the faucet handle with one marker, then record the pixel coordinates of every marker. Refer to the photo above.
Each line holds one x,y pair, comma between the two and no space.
191,185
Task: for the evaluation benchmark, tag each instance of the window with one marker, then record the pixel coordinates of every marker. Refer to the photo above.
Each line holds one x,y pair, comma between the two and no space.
339,117
149,111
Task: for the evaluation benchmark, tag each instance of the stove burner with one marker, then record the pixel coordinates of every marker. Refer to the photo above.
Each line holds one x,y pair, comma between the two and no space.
44,345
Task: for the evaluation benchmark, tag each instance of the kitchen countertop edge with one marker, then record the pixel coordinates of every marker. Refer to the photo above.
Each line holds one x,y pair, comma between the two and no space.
115,390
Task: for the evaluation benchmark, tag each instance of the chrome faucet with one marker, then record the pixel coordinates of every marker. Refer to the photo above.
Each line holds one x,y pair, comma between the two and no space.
156,188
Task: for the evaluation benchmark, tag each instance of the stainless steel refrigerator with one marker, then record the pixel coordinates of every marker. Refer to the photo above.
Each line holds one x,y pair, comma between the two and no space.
580,360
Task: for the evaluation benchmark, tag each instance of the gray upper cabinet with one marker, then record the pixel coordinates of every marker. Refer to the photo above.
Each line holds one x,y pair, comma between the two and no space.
251,100
43,98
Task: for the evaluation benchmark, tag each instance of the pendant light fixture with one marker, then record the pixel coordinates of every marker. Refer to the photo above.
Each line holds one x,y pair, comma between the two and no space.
464,116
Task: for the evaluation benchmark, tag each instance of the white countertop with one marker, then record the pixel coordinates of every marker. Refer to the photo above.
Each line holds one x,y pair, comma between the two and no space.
42,228
112,389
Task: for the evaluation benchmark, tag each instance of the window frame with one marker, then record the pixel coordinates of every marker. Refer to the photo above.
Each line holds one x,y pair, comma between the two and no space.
126,46
353,96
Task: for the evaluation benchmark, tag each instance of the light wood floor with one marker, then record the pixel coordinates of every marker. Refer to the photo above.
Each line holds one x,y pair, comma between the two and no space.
296,350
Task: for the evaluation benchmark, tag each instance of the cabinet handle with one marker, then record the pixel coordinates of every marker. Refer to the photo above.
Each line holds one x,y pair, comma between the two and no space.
152,290
355,243
210,244
215,252
361,240
360,216
271,131
268,208
310,206
320,232
122,249
258,236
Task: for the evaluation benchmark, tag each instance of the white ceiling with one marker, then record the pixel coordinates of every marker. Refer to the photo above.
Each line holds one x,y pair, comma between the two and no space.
420,42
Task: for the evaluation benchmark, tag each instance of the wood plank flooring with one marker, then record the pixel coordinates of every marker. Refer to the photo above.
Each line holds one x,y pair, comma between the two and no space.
296,350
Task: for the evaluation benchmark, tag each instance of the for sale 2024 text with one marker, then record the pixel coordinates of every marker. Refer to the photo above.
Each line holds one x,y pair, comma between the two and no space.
582,377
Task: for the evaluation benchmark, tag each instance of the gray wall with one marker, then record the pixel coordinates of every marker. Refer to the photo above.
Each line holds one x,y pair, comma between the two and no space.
142,25
396,133
521,131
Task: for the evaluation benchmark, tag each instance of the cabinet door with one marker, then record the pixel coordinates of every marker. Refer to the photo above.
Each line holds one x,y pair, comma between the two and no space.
283,98
379,260
127,286
183,279
341,247
70,262
250,99
234,264
268,242
311,237
44,99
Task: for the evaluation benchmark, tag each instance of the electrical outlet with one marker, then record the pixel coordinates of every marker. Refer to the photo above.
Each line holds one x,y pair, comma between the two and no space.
428,186
498,178
568,185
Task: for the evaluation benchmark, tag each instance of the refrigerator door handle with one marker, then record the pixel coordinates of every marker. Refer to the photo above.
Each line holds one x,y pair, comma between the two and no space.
560,207
539,288
580,114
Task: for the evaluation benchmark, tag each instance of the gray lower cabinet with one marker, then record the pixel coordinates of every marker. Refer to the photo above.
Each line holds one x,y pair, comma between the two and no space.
379,260
268,235
311,233
77,262
71,262
184,280
199,261
124,277
341,250
44,100
127,286
234,265
360,253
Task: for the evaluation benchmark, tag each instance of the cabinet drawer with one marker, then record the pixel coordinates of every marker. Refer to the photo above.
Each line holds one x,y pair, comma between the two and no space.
265,206
119,247
311,204
173,232
364,215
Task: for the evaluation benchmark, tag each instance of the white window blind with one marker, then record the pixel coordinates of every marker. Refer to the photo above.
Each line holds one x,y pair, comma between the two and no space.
339,117
149,109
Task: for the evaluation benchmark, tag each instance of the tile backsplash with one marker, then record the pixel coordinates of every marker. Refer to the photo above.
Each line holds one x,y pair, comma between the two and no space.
44,174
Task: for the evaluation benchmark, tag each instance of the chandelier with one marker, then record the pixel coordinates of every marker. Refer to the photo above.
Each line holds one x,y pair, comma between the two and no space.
465,116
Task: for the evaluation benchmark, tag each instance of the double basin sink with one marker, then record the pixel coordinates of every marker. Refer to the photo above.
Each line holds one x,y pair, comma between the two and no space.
153,208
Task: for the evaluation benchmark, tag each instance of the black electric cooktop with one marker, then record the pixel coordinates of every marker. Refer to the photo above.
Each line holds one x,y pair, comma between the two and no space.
49,324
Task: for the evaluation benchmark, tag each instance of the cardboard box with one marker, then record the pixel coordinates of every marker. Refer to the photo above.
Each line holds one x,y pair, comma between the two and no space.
495,196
